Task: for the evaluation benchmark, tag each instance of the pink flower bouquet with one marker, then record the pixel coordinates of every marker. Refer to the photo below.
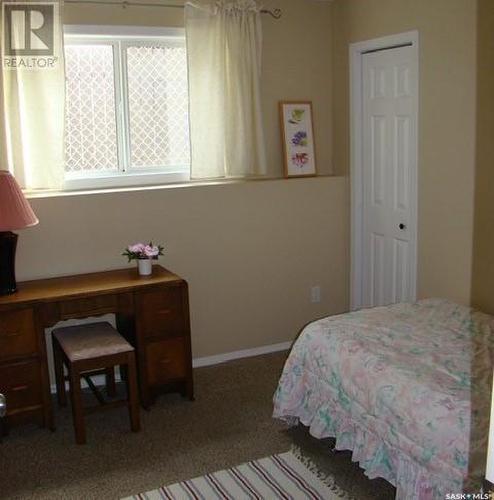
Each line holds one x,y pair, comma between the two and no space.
140,251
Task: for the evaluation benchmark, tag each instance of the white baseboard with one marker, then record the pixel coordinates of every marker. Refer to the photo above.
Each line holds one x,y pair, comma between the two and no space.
210,360
244,353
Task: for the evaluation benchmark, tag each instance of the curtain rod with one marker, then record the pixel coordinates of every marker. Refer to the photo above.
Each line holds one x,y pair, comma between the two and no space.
275,13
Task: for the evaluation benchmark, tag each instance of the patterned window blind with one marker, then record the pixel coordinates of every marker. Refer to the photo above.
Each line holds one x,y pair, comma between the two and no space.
158,106
90,119
127,107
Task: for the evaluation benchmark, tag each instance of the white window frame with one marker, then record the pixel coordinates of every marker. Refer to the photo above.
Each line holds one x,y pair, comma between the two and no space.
119,37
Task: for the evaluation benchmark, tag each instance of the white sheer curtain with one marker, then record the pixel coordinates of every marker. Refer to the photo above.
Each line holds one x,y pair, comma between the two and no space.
32,103
224,42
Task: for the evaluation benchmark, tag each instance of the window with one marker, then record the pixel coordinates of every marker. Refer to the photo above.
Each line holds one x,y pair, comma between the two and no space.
126,107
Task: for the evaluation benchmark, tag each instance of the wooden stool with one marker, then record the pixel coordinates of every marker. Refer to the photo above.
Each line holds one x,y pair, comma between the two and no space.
89,350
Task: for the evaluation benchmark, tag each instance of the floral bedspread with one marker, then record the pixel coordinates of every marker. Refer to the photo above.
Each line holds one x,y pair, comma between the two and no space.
405,387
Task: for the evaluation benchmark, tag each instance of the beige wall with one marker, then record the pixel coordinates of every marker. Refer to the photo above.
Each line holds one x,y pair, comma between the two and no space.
446,124
483,253
250,251
296,62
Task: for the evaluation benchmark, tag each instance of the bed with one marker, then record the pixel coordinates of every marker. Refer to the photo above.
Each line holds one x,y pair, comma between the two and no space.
405,387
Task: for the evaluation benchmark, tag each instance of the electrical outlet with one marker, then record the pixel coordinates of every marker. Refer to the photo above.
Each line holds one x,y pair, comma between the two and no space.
315,294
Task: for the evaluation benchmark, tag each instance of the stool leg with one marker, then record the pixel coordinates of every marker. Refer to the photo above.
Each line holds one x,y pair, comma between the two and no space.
111,388
77,410
59,374
132,394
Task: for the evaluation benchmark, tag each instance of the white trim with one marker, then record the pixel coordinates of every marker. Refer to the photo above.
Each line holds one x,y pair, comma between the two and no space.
101,181
81,30
244,353
211,360
356,51
98,380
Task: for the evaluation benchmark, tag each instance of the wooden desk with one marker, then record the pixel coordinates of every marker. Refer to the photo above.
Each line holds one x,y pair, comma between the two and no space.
152,313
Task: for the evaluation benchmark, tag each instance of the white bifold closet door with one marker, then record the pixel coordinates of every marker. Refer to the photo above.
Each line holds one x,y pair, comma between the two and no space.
389,176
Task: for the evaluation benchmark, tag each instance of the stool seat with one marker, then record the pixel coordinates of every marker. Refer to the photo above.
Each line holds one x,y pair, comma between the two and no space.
91,341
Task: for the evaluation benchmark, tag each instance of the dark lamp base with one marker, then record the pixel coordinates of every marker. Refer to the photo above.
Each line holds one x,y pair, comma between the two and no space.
8,245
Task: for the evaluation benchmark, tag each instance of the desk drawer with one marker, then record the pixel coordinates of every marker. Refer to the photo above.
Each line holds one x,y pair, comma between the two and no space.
166,361
21,385
90,306
162,312
17,333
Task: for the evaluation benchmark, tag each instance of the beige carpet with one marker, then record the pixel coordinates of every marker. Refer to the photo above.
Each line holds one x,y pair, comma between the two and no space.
228,424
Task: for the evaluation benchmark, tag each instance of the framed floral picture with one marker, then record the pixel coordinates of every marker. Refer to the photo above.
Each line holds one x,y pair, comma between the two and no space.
297,138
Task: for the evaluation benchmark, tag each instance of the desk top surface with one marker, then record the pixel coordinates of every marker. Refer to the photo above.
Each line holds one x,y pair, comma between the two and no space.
81,285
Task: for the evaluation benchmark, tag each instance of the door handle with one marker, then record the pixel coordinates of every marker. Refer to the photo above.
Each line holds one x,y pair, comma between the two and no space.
402,226
3,406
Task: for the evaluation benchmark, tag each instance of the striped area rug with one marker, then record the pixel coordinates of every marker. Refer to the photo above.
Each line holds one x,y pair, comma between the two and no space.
280,476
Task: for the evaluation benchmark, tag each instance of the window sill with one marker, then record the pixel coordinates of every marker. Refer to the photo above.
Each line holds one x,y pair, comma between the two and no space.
32,194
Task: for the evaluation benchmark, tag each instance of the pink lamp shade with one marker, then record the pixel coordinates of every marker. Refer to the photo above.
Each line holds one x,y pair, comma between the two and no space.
15,210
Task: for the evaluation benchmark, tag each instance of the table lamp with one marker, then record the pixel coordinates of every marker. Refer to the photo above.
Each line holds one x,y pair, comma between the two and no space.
15,213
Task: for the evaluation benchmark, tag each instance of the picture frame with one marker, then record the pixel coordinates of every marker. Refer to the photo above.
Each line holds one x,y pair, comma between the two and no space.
297,136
